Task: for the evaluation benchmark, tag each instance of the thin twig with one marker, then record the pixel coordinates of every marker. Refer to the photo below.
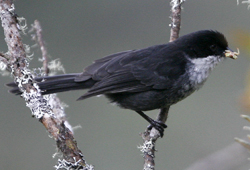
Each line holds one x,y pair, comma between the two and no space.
42,107
39,38
150,137
175,19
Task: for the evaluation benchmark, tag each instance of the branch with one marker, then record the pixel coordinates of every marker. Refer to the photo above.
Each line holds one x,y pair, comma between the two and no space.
176,19
65,140
40,41
150,137
44,108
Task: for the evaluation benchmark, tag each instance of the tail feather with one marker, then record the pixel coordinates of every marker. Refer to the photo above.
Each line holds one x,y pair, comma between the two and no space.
40,79
55,84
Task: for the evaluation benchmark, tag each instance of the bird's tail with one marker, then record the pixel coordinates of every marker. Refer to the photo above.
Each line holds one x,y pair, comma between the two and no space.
55,84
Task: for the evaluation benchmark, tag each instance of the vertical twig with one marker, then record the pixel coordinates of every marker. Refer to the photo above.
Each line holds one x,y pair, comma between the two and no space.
42,107
175,19
39,38
150,137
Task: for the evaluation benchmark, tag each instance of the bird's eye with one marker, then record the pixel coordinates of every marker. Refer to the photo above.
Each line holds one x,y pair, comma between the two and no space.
213,47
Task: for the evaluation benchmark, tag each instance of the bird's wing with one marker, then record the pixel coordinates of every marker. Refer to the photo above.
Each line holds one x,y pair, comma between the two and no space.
97,65
136,71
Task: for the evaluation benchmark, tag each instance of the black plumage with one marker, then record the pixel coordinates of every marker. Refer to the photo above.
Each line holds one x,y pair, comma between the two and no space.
146,79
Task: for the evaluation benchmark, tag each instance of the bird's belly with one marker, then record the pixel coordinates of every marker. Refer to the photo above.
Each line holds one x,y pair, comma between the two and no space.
148,100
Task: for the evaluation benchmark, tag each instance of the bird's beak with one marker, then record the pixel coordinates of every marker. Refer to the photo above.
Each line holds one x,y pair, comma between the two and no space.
231,54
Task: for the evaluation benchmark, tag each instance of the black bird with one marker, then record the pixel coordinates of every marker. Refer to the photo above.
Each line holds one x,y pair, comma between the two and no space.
151,78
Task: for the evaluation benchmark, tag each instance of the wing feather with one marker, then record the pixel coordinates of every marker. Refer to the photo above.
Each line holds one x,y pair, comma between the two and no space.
135,71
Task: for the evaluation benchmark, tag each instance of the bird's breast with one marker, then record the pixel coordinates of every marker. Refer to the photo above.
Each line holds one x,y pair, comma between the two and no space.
200,68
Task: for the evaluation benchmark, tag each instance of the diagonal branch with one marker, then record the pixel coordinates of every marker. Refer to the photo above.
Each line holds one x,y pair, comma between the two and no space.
42,107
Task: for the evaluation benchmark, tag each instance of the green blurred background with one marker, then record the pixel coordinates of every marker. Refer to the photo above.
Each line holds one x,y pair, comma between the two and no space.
79,32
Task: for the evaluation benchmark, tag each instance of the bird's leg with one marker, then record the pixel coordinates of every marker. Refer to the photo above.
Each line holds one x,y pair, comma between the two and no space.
163,115
159,125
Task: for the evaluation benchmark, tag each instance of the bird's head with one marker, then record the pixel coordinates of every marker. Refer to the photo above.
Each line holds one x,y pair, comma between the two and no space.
205,43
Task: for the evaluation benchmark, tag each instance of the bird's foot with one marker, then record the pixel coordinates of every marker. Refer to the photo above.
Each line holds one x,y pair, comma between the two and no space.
158,125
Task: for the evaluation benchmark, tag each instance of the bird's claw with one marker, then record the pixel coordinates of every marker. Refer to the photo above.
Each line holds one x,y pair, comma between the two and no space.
158,125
